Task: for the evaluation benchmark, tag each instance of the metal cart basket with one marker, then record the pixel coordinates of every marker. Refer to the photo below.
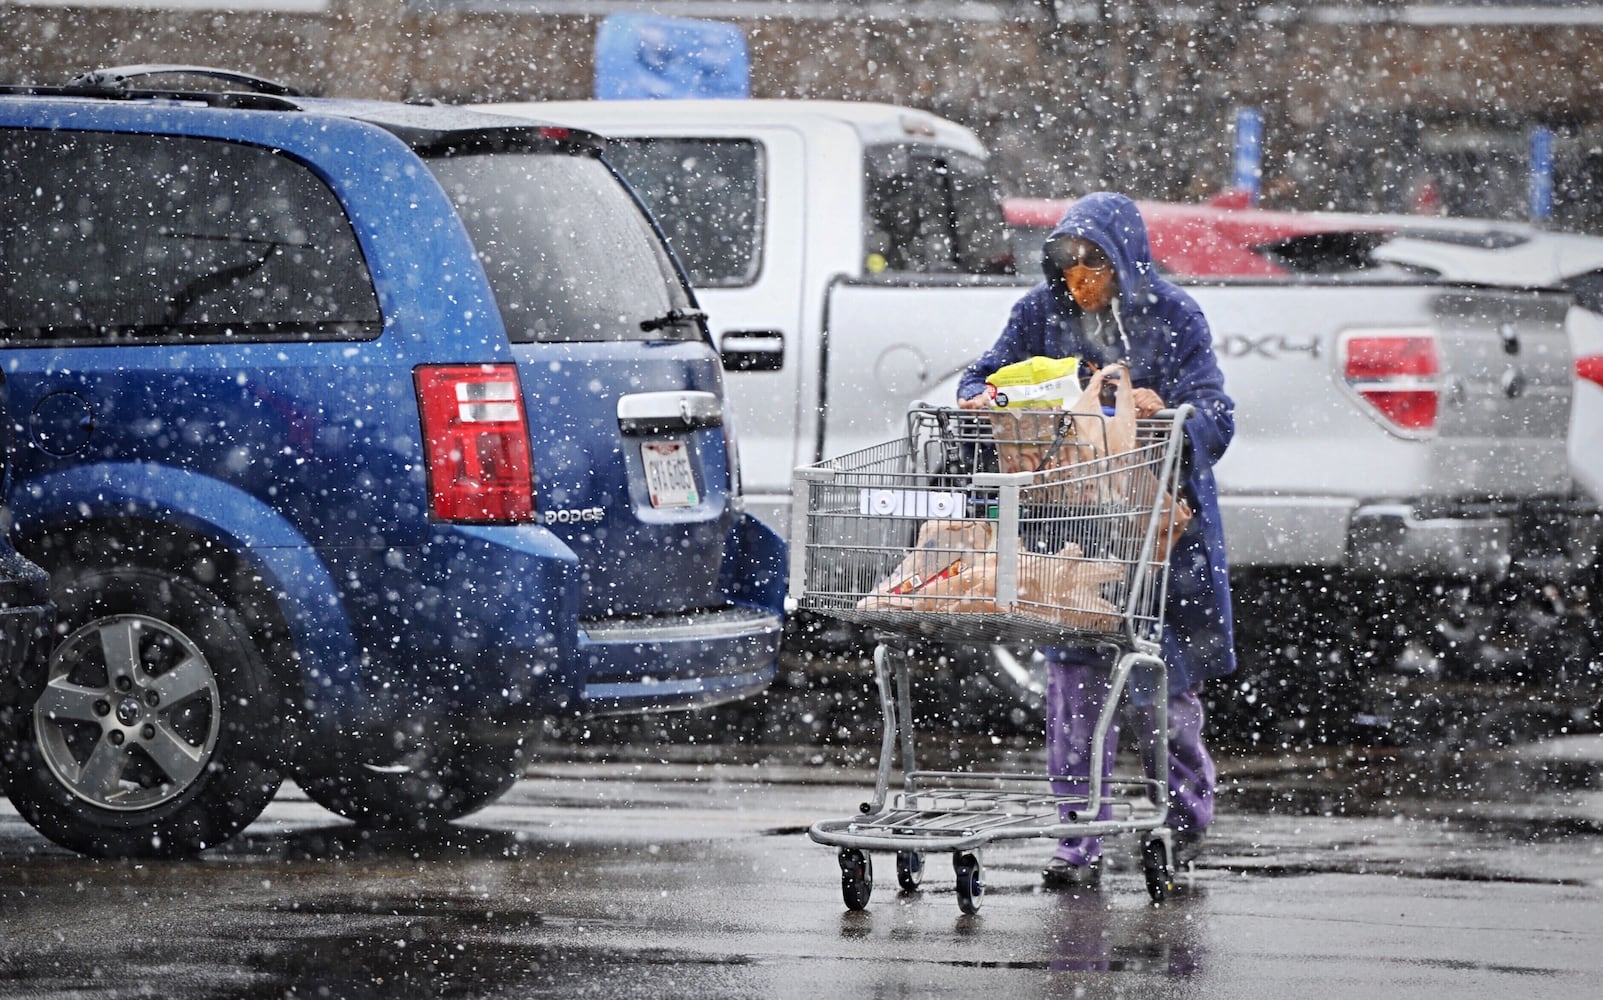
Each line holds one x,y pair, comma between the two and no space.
1030,526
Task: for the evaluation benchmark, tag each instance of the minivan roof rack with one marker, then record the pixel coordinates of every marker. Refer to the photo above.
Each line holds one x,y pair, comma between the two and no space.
118,78
429,128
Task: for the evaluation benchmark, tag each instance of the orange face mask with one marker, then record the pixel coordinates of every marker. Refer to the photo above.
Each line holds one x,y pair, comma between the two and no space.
1092,287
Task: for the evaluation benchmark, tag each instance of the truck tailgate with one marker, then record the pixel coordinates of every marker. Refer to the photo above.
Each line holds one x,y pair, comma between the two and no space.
1303,428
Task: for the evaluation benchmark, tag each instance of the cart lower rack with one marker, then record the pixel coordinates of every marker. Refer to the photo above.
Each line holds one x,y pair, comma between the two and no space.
987,527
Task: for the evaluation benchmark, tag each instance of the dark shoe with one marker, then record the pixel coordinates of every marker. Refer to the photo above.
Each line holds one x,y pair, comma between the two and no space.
1060,874
1187,847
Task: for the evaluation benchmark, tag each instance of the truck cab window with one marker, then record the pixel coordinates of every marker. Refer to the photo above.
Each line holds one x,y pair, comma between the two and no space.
931,211
982,246
707,195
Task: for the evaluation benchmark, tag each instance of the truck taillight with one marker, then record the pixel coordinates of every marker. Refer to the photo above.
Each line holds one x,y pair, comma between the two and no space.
476,441
1396,373
1590,368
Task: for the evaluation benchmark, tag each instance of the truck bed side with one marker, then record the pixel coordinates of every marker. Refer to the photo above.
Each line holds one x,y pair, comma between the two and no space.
1313,469
889,343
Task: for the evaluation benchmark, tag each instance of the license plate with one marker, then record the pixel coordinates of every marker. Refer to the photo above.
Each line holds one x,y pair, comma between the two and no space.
669,478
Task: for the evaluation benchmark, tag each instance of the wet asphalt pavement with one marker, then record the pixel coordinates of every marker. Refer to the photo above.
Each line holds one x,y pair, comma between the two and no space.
683,870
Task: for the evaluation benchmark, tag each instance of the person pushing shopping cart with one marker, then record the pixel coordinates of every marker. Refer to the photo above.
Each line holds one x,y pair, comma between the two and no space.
1103,301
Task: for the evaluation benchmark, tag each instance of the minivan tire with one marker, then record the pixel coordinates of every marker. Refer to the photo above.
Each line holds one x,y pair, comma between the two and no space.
154,753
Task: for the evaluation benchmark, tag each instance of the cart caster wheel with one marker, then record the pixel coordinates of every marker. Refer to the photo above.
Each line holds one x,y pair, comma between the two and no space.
1155,865
909,870
856,877
970,882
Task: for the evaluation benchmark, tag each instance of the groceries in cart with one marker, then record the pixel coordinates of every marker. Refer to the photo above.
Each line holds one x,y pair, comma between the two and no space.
1100,424
1029,399
952,567
1087,491
930,535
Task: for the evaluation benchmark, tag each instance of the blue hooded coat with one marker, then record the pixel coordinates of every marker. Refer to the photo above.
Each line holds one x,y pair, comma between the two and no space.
1169,349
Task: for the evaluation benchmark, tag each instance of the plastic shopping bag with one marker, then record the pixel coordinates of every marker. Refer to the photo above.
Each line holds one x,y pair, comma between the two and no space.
942,552
1068,589
938,576
1104,414
1174,514
1027,423
1032,431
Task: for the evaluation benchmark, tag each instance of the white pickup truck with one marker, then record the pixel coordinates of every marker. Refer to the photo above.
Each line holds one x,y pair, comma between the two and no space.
849,257
852,261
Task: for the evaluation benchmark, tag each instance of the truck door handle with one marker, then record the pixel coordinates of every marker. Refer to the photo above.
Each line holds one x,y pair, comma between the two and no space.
752,350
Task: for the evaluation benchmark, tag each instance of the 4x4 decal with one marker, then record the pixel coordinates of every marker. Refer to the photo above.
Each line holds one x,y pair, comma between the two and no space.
1273,346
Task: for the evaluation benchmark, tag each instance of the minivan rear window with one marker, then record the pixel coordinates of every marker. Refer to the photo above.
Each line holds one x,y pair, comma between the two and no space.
1588,289
113,238
569,254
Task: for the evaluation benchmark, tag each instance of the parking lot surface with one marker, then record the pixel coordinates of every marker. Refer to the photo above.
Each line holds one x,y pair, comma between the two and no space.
1326,876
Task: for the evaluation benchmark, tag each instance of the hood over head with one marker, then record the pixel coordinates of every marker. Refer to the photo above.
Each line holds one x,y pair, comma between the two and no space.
1113,222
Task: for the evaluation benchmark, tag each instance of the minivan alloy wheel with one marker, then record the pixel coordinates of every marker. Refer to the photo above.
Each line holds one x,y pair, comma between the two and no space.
150,735
130,714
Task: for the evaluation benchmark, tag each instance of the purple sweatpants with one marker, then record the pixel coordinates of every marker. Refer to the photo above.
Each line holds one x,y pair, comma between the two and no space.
1074,696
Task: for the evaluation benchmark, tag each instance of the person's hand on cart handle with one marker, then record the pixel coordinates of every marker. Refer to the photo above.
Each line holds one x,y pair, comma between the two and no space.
980,401
1147,402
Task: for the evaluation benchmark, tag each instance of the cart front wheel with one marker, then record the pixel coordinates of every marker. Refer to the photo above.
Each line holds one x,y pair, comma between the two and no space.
909,870
856,877
1155,864
970,882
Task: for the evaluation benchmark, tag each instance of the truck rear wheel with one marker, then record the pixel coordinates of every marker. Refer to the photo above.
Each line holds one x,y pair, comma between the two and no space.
148,737
1297,663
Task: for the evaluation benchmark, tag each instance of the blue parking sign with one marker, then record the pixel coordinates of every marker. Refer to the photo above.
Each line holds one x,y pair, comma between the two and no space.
1541,187
647,56
1249,151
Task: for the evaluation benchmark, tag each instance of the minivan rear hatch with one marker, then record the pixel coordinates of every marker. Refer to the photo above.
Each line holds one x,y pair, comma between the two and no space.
622,388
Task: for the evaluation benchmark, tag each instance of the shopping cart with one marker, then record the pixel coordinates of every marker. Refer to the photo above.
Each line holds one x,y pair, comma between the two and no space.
996,526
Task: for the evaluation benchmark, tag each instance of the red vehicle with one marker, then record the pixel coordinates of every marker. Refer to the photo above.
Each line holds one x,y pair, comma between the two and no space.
1229,239
1223,238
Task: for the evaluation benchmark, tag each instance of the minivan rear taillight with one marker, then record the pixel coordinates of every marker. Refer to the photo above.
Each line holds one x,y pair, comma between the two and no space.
477,443
1397,373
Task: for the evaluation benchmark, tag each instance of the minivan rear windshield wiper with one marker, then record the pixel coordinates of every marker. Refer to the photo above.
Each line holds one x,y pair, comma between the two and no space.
673,317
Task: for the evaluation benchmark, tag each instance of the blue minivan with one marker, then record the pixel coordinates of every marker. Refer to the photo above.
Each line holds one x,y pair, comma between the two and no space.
357,438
